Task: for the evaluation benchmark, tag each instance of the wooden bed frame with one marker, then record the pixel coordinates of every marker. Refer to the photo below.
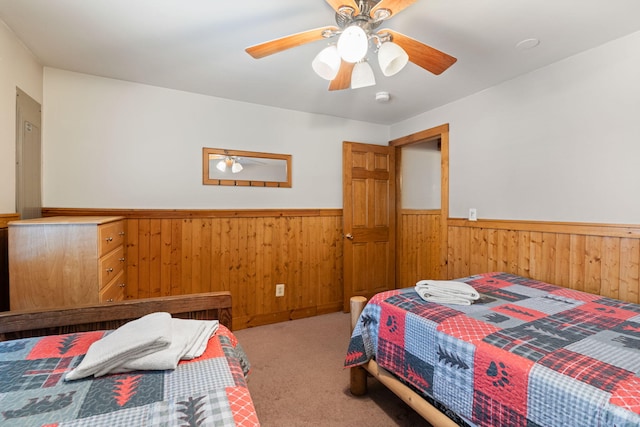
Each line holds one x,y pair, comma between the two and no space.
30,323
358,380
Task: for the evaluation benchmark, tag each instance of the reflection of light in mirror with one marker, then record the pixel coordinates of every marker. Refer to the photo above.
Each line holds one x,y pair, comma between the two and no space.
252,168
231,162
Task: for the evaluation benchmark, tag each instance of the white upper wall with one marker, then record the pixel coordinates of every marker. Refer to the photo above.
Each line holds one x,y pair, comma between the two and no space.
420,178
559,144
18,68
115,144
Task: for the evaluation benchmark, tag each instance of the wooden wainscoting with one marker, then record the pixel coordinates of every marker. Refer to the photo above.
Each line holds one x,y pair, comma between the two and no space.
601,259
420,244
247,252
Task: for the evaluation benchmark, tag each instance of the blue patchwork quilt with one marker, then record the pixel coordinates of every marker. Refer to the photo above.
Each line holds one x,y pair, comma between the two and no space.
526,354
208,391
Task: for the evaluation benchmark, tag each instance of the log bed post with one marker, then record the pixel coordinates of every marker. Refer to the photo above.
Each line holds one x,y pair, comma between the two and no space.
358,381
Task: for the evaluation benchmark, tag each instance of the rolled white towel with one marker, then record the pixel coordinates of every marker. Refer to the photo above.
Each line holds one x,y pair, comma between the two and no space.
448,288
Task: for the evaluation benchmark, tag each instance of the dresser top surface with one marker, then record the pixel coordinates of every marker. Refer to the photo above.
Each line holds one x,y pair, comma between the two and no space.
68,220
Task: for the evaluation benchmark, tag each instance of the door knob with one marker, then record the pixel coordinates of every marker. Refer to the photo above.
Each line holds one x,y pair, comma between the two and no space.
349,236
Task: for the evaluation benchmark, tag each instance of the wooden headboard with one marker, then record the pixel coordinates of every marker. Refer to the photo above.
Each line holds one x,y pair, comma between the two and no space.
29,323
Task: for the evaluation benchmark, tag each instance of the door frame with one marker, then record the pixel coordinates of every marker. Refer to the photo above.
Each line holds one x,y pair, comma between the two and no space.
439,132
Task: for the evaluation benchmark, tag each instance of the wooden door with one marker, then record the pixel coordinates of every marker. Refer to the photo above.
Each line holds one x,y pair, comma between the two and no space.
369,219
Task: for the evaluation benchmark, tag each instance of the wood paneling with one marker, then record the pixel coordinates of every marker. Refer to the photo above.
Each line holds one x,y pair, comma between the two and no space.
173,252
245,252
601,259
420,246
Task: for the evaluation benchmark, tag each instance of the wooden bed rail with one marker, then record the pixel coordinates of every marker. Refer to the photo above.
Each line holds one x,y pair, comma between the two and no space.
358,385
28,323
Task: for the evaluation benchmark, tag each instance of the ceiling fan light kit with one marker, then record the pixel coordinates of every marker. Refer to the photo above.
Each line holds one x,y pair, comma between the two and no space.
357,22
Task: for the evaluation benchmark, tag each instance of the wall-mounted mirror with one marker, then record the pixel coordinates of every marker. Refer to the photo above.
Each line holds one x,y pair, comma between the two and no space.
245,168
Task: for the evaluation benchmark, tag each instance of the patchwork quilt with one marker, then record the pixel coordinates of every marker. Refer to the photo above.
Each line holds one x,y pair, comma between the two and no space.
526,354
208,391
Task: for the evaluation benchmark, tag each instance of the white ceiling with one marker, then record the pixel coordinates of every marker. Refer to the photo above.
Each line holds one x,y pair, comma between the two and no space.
198,46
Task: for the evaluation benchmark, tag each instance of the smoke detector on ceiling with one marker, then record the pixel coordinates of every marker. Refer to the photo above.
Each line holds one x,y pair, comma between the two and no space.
527,44
382,97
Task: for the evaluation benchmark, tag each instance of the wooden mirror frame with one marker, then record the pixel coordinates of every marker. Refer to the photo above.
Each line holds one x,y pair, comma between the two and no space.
207,180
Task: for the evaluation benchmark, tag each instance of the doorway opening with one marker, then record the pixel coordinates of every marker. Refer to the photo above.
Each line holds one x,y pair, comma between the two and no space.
422,206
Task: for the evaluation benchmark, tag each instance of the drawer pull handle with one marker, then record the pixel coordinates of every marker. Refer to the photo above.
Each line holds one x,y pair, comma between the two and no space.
121,259
109,239
110,300
121,233
110,270
122,285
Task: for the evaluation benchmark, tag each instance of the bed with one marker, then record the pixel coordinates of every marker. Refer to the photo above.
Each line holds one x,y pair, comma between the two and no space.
37,348
527,353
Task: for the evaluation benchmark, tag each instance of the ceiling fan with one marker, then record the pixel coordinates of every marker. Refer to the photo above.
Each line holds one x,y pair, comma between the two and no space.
345,63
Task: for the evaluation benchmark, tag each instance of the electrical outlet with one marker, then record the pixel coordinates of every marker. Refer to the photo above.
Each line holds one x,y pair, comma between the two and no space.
473,214
280,290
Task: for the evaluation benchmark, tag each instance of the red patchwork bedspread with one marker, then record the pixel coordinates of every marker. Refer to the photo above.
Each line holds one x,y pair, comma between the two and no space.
526,354
209,390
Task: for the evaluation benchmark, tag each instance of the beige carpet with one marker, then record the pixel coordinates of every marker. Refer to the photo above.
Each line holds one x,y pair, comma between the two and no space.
298,379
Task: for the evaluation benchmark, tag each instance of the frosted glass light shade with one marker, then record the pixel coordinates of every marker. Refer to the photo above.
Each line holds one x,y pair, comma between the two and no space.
392,58
353,44
362,75
221,166
237,167
327,63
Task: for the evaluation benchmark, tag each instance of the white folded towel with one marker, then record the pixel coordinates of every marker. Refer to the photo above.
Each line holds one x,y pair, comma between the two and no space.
185,335
199,343
153,342
132,340
446,292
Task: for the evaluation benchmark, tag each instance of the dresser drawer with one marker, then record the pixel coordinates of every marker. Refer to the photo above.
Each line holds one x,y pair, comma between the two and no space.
110,266
111,235
114,291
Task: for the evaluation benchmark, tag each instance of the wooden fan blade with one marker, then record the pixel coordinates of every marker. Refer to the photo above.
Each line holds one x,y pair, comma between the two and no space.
395,6
336,4
427,57
343,79
278,45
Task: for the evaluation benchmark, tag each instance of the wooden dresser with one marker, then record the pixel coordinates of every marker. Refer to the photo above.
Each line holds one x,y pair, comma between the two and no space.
66,261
